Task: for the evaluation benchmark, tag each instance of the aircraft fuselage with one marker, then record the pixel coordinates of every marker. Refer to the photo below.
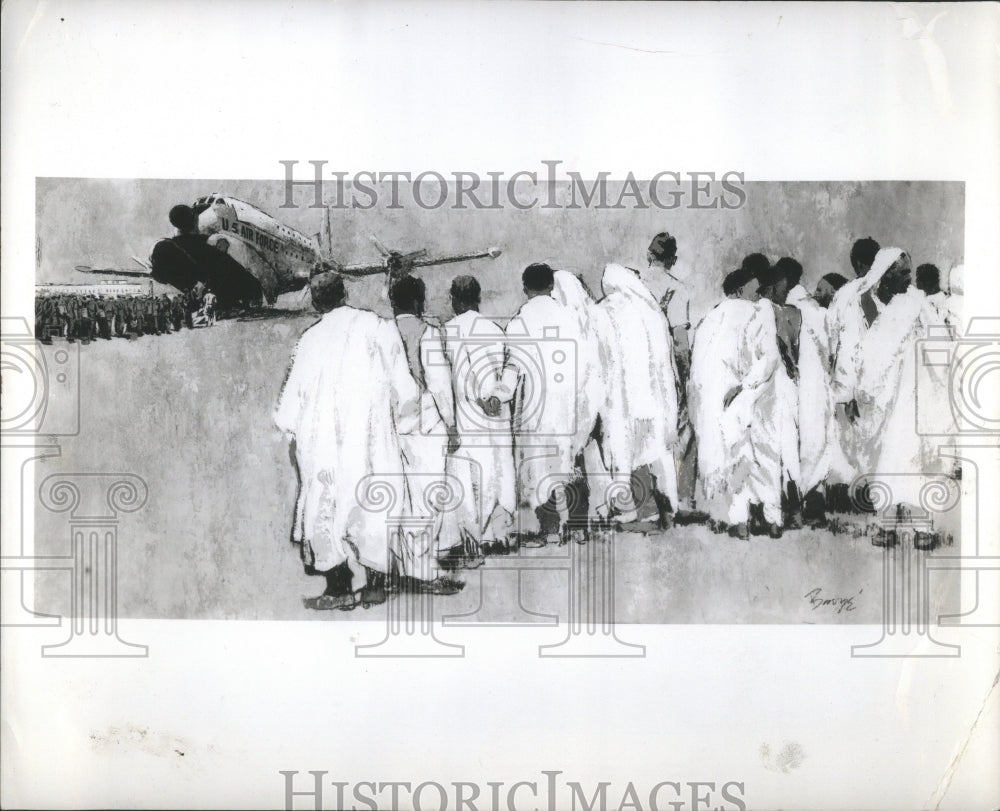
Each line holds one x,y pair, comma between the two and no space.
278,256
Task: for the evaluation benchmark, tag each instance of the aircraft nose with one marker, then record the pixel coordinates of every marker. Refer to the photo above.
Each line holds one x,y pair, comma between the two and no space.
208,221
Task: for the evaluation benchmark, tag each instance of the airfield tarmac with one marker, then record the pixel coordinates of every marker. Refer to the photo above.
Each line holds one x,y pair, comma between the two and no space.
191,414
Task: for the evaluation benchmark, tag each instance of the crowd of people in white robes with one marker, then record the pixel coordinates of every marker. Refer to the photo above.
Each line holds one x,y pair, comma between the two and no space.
421,446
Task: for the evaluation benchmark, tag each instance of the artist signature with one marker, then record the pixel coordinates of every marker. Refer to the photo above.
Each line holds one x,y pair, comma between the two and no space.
841,604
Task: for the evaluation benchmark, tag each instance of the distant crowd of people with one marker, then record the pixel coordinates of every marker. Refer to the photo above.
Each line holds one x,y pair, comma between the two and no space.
90,317
756,420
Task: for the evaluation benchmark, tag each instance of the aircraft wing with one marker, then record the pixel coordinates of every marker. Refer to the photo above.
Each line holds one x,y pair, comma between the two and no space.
491,253
414,261
361,270
141,274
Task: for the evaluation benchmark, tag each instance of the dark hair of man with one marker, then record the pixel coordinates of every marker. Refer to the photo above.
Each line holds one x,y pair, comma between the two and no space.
756,264
328,291
734,281
537,278
407,295
929,279
465,290
835,280
792,270
663,247
183,218
863,252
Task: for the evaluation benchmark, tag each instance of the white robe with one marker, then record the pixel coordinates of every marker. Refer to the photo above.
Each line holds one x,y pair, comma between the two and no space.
844,329
347,393
847,326
844,324
642,382
817,432
568,292
431,504
939,307
716,368
485,463
956,298
594,357
773,400
541,379
887,399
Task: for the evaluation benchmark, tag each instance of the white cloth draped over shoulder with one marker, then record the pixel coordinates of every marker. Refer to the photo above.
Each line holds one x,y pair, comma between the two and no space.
484,464
847,326
817,431
717,367
767,407
939,308
424,451
594,360
956,298
592,325
887,398
843,324
345,427
642,385
540,379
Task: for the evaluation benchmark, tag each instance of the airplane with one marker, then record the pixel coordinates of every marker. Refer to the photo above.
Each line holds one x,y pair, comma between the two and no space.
249,256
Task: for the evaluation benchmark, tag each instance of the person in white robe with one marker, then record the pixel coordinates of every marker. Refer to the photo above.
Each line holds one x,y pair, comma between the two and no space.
841,318
892,448
540,378
425,450
935,413
956,299
845,326
957,324
662,258
641,425
594,358
343,427
485,462
772,342
826,289
928,281
839,471
856,323
717,367
817,431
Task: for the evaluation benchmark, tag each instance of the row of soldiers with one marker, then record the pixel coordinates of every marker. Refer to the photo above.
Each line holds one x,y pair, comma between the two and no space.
87,317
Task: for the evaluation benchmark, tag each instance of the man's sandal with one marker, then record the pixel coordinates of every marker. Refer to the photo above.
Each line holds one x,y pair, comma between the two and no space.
331,602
